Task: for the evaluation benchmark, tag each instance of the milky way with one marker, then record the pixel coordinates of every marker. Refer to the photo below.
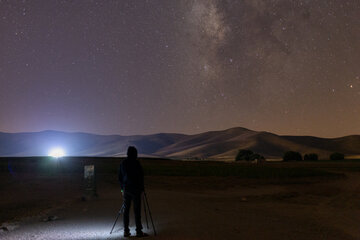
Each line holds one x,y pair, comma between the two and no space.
140,67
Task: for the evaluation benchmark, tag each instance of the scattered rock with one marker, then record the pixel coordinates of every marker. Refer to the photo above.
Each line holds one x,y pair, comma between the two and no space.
6,227
50,218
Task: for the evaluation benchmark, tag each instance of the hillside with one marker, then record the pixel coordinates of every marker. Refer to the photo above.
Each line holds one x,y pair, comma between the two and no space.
213,144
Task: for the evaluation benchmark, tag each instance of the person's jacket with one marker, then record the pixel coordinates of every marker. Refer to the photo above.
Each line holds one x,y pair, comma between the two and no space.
131,176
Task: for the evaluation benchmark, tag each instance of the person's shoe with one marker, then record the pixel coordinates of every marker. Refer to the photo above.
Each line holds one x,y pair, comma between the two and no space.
127,234
141,234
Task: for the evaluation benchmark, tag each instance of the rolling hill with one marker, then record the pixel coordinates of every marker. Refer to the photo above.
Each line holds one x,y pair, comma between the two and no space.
213,144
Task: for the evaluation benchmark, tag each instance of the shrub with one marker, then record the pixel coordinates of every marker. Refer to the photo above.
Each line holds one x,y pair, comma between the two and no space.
292,156
311,157
337,156
248,155
244,154
256,156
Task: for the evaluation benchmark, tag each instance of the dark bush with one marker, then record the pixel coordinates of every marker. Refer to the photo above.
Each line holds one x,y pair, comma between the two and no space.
337,156
311,157
244,154
256,156
292,156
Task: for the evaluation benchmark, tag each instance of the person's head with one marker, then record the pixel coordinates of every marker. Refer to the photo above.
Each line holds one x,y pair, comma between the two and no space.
132,152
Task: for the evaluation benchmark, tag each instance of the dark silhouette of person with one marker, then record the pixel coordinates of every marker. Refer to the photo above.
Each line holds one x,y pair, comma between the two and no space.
131,177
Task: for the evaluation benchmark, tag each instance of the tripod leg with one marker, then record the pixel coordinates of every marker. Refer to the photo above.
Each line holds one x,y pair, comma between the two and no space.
152,222
147,223
115,223
120,211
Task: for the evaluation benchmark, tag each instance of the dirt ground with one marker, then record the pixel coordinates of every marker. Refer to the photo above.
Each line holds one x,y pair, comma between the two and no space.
191,208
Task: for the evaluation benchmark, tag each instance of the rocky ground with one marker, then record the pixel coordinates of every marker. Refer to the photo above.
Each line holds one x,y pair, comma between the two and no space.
189,208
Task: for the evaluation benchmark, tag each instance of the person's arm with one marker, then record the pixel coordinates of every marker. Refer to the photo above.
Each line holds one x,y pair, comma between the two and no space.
121,178
141,175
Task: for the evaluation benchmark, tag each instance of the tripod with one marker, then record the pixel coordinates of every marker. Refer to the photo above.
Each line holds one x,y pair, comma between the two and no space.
146,208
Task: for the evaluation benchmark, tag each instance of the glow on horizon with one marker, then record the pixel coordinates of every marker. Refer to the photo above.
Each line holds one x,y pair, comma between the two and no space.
57,152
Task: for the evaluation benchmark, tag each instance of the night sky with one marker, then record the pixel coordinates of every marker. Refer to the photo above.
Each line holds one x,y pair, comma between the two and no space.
141,67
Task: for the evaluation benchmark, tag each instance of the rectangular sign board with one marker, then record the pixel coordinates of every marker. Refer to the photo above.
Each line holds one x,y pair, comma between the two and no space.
89,171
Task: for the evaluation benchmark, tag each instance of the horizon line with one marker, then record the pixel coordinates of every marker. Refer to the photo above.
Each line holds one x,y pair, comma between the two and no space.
149,134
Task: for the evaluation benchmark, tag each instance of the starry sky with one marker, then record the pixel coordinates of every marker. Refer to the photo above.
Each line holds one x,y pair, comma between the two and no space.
187,66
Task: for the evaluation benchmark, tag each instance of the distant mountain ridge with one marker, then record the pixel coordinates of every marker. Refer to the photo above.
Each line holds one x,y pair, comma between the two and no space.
213,144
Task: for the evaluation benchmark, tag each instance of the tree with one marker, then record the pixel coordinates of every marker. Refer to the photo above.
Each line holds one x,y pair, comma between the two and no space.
311,157
256,156
337,156
292,156
244,154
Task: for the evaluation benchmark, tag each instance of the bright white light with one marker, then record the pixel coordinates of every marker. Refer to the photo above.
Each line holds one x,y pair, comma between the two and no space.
57,153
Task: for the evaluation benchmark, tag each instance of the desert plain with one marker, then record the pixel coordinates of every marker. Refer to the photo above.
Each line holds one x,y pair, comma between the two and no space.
44,199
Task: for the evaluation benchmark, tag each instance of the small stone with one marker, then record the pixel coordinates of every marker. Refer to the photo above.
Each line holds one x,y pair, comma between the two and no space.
6,227
50,218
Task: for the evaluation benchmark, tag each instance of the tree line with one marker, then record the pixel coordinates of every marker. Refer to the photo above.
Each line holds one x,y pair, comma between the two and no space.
248,155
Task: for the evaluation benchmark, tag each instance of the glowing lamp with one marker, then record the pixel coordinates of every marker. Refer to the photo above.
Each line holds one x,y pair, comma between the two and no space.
56,153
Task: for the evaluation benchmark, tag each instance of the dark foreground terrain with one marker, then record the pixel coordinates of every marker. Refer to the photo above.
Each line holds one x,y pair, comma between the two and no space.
41,199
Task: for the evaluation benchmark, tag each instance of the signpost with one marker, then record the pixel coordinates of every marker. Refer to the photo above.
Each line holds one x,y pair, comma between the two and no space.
89,181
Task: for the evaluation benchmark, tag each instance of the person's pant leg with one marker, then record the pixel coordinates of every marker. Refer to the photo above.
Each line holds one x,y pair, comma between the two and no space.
137,211
127,203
